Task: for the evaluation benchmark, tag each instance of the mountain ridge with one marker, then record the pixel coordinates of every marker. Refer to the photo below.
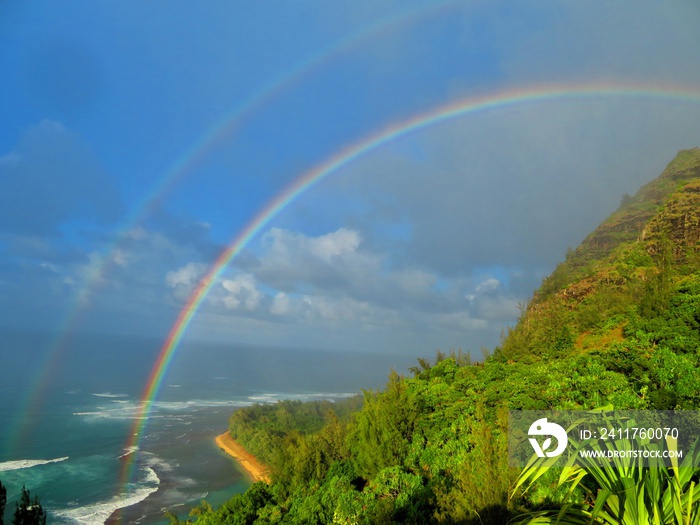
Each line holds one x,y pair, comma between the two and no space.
616,264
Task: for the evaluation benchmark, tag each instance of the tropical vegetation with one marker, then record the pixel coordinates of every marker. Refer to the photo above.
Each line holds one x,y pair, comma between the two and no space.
623,491
617,323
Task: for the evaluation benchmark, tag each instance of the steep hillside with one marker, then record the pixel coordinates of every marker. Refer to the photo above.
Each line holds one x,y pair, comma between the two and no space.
629,265
628,223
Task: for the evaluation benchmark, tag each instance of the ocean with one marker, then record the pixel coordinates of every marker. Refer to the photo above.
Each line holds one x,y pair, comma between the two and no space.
68,405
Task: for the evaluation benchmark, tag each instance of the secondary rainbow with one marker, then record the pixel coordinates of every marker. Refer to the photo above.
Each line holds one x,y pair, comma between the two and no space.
346,156
186,163
237,115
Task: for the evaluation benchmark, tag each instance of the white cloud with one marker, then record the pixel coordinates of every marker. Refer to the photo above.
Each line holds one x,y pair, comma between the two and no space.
281,304
187,275
327,290
49,266
284,245
120,257
336,261
489,285
336,309
315,286
242,292
92,272
335,244
322,262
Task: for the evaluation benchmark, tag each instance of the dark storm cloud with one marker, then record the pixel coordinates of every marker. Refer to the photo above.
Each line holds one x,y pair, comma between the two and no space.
512,188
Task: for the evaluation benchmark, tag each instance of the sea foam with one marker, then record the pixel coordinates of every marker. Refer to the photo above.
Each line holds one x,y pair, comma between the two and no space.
128,451
97,513
27,463
110,395
273,397
122,409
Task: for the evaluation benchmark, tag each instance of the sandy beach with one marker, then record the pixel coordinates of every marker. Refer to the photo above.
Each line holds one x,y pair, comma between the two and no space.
257,470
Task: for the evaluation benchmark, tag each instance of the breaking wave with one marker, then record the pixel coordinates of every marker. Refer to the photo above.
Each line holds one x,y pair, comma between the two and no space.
27,463
97,513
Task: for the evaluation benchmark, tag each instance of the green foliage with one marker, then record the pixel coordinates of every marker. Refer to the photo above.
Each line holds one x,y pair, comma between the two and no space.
382,431
677,326
460,358
394,496
477,481
270,431
28,510
619,493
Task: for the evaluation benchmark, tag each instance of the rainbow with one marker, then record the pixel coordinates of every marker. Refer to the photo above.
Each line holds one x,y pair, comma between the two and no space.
18,429
235,117
346,156
186,163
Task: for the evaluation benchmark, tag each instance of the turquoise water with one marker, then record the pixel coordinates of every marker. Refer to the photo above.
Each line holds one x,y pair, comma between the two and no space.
63,432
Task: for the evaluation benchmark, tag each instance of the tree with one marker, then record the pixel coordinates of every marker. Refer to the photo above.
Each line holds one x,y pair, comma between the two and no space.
625,200
384,428
28,511
3,502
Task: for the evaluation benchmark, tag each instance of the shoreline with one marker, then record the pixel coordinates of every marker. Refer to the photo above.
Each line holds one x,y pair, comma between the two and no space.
256,470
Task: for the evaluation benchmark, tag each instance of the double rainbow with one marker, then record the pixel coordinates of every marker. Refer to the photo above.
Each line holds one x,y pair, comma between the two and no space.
348,155
185,164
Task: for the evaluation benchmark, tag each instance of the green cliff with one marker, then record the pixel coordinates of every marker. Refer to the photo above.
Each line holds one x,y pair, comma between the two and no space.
629,265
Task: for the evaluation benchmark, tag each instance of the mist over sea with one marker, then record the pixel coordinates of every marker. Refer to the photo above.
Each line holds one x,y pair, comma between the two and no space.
67,407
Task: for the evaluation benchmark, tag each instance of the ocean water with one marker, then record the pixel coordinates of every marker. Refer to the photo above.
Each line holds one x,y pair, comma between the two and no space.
67,409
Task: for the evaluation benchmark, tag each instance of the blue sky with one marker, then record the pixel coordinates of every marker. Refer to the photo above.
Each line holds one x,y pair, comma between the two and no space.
430,241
